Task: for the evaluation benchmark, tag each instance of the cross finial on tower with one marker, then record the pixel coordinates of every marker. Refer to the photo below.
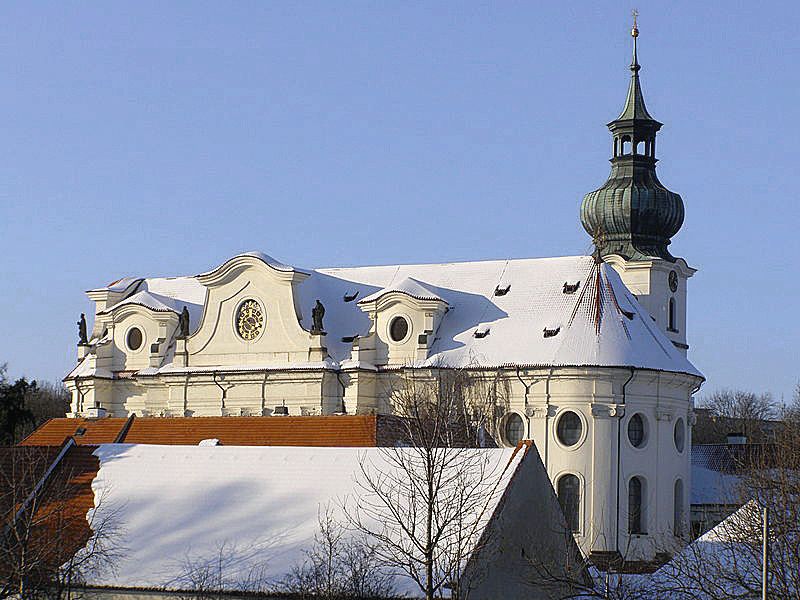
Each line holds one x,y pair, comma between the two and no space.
635,35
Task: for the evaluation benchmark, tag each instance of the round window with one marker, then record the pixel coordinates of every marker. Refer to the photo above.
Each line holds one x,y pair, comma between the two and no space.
398,329
514,429
679,435
135,338
636,432
569,428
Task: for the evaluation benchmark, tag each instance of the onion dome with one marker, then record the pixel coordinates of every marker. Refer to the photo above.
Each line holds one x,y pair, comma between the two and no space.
633,214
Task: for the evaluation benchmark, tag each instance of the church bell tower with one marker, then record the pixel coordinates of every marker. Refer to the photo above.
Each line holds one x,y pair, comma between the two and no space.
633,217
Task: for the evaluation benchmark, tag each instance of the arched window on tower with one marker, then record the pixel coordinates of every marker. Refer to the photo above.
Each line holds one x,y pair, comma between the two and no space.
671,315
636,521
625,140
678,509
569,496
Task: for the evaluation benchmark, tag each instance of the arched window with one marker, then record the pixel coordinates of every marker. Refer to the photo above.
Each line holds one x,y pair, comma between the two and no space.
671,315
678,509
635,509
569,496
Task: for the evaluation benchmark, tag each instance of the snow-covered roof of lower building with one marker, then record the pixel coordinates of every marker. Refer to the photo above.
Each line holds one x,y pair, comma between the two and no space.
566,311
714,487
725,562
260,504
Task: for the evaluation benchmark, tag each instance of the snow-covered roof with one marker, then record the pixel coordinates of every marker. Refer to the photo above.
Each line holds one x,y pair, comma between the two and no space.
120,285
599,324
265,258
168,294
408,286
262,504
154,302
714,472
714,487
725,562
536,313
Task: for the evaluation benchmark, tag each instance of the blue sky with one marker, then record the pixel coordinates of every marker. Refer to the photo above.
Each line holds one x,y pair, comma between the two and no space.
160,138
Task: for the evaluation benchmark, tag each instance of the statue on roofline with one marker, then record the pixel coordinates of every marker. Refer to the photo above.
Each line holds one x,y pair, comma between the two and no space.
83,340
183,324
316,317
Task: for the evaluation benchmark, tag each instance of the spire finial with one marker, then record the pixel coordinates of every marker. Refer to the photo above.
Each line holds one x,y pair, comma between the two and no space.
635,34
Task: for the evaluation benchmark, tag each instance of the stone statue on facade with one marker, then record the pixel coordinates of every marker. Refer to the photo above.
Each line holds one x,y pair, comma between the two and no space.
183,323
316,317
83,340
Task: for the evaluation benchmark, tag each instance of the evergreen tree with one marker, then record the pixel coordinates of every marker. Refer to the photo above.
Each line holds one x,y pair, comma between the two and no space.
13,412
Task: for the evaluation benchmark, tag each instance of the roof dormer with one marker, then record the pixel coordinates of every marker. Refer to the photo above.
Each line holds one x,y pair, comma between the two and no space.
404,319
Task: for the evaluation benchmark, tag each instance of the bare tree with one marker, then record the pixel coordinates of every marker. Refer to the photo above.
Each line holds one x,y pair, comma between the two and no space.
49,547
734,411
422,507
229,568
47,401
727,562
338,566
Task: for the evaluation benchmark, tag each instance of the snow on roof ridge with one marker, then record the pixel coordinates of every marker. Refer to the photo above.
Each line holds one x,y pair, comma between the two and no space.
150,300
263,257
453,263
409,286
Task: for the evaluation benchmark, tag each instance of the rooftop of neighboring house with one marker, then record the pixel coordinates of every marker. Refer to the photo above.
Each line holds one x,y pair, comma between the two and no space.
334,430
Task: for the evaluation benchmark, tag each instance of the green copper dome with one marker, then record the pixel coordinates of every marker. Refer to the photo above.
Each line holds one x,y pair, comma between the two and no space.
633,214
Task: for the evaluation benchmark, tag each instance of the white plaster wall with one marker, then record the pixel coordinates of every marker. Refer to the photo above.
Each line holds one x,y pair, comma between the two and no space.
595,394
649,281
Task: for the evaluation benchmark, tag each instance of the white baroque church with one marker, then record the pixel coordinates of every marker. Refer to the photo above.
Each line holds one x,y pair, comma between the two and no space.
591,348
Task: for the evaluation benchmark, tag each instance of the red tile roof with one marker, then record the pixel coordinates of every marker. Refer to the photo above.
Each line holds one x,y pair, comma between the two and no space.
55,525
338,430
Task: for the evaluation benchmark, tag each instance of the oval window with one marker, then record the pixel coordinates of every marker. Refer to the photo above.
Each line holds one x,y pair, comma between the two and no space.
398,329
514,429
679,435
569,428
135,338
636,433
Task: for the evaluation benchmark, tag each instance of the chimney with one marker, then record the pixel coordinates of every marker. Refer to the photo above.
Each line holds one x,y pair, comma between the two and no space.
737,439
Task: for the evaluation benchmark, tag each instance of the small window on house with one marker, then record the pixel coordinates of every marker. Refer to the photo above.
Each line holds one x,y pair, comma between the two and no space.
134,338
569,428
571,288
398,329
548,333
635,509
569,496
350,296
502,289
678,509
349,339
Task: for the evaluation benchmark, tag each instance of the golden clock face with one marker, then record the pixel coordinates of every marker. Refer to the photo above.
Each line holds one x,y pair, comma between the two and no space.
249,320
